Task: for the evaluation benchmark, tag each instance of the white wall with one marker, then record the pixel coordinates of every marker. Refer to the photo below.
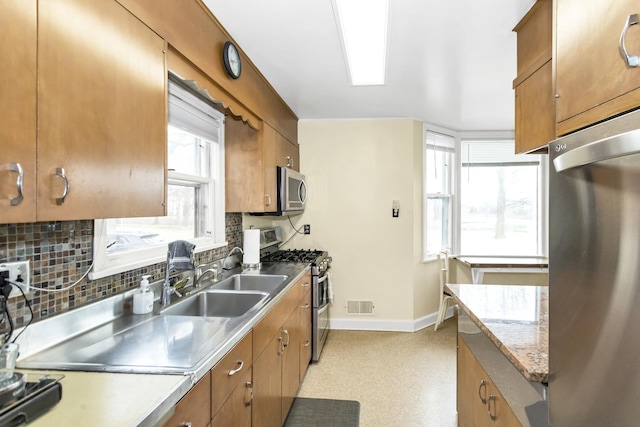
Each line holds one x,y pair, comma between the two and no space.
354,170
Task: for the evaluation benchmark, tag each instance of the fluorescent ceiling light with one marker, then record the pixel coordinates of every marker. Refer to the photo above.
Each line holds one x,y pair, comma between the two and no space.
363,27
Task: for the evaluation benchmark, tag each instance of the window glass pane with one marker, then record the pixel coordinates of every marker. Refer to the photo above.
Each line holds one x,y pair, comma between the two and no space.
499,210
437,224
139,233
438,162
189,154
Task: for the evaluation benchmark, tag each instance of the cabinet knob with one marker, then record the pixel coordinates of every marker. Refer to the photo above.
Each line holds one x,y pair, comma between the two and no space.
492,412
17,168
238,369
61,173
482,391
632,61
247,401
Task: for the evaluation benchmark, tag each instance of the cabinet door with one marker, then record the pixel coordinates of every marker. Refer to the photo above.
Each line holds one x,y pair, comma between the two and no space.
472,391
290,361
236,410
18,111
287,153
270,195
305,334
267,385
228,373
592,79
194,407
535,121
102,113
499,411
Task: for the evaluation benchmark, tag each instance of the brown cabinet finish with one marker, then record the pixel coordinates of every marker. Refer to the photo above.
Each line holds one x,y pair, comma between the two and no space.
305,333
194,407
592,80
267,385
18,110
236,410
251,159
534,100
479,401
290,360
101,112
228,373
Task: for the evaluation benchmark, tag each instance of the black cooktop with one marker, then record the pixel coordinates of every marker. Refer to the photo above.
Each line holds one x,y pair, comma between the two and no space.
294,255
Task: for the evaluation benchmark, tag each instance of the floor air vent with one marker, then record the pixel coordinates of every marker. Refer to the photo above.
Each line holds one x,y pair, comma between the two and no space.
360,307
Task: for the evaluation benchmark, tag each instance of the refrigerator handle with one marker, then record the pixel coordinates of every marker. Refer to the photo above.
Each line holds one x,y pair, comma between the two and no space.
604,149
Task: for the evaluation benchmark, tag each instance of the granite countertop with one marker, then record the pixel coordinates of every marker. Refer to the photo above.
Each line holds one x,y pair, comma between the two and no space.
516,320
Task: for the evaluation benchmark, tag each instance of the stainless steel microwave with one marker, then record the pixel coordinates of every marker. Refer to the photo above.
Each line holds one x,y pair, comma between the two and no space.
292,194
292,191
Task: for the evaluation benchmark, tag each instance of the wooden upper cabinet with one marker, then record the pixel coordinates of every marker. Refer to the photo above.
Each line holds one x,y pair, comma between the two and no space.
18,111
102,112
534,101
288,153
593,81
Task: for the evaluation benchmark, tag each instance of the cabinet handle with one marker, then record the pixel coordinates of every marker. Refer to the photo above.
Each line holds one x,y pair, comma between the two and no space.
289,161
492,414
187,424
281,346
284,331
238,369
306,306
483,384
307,344
268,199
16,167
305,285
60,172
250,389
632,61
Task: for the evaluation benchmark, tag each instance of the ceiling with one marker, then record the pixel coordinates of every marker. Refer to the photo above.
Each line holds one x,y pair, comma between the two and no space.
450,63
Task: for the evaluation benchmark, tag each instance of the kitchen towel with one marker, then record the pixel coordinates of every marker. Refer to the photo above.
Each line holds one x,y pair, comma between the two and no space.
251,246
329,288
180,256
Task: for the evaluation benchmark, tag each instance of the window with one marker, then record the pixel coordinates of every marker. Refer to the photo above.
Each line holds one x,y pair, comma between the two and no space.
500,200
195,193
439,164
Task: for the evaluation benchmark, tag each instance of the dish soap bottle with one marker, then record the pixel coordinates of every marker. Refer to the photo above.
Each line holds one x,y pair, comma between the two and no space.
143,300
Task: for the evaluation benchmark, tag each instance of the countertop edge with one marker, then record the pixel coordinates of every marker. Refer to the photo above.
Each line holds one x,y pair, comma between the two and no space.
531,375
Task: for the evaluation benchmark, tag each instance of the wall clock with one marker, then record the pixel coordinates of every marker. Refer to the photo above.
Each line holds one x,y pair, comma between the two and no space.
231,59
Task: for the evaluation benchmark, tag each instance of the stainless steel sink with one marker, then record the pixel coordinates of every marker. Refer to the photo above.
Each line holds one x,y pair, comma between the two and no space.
217,303
246,282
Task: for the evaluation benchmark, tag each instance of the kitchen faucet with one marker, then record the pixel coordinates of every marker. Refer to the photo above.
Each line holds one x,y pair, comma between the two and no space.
199,274
228,255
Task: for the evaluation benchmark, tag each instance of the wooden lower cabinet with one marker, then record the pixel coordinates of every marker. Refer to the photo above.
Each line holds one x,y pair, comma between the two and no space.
479,401
305,333
267,385
194,408
236,410
290,361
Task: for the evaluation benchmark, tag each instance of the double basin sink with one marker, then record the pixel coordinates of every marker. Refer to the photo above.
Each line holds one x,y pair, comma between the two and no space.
232,297
187,336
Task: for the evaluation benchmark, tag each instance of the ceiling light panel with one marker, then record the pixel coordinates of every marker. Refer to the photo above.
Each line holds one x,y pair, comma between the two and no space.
363,26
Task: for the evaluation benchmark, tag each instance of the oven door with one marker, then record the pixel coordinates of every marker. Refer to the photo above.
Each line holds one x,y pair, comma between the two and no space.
321,291
320,330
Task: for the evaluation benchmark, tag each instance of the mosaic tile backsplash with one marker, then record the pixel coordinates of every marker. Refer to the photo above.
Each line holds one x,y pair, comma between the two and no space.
60,254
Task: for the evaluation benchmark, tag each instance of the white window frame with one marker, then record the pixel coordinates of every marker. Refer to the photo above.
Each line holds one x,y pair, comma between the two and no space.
453,206
543,187
107,265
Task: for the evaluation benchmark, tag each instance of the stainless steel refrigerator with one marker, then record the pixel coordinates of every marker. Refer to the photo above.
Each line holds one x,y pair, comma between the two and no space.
594,276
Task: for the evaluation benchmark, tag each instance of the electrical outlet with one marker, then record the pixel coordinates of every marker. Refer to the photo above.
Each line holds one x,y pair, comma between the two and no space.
15,269
307,229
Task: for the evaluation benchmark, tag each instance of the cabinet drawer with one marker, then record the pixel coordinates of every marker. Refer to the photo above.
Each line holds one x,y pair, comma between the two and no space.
228,372
194,407
271,323
236,410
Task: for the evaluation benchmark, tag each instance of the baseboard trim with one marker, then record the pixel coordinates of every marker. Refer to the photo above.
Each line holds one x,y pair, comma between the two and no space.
386,325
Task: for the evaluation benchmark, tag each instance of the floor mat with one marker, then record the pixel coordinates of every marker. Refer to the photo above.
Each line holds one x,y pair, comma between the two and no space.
307,412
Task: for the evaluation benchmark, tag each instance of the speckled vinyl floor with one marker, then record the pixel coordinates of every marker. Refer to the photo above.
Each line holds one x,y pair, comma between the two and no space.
400,379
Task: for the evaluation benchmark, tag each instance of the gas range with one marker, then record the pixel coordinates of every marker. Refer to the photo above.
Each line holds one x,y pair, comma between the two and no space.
270,239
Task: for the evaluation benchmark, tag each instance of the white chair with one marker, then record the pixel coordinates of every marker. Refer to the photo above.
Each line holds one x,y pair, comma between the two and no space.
445,298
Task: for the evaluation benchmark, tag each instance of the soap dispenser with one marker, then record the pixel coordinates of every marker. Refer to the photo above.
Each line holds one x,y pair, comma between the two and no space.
143,300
